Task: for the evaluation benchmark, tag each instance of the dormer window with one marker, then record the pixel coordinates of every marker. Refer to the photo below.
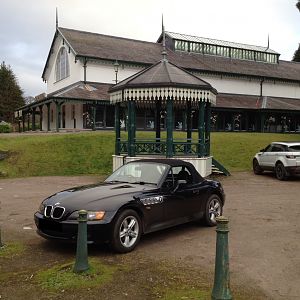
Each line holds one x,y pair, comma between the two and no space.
62,64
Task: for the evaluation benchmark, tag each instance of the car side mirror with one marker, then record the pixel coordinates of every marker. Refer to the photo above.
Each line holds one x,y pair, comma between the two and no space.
179,184
262,150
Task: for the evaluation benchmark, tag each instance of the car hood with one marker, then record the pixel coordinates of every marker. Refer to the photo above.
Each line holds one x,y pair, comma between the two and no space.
104,196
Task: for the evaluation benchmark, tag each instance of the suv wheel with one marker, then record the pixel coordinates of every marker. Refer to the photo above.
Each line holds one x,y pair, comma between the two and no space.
280,171
256,167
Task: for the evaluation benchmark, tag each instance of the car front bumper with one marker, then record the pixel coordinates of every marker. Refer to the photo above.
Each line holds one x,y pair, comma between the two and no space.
293,169
97,231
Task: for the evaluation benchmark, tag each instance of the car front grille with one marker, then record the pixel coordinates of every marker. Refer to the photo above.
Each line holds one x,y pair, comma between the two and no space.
54,212
48,210
58,212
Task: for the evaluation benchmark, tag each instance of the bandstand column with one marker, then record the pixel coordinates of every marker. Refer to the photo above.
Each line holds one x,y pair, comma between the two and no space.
207,128
157,120
188,126
117,128
201,129
169,128
131,128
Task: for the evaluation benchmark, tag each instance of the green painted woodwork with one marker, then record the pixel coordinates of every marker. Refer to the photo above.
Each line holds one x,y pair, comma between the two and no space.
131,128
220,167
207,128
262,122
201,132
41,117
23,123
58,113
157,119
81,262
117,128
188,125
169,128
33,119
221,288
94,117
28,121
48,116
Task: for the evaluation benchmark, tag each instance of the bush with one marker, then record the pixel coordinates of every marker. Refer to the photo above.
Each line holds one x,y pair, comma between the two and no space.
5,127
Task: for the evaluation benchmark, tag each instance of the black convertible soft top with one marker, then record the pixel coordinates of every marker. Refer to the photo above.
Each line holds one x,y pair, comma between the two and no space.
174,163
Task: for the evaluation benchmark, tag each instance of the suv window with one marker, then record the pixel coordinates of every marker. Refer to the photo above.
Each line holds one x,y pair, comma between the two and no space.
278,148
294,148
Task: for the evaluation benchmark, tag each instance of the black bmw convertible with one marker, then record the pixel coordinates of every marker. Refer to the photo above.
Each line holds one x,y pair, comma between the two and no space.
140,197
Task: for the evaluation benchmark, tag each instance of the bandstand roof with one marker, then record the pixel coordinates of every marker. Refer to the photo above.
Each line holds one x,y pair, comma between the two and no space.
160,81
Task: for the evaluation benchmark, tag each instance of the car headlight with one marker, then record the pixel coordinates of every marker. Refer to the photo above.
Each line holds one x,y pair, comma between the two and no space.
41,208
91,215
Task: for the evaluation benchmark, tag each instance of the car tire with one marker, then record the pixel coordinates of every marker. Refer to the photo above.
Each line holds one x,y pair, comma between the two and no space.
126,231
213,209
280,171
256,167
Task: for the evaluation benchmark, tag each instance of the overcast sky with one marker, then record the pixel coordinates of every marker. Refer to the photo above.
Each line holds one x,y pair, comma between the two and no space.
27,26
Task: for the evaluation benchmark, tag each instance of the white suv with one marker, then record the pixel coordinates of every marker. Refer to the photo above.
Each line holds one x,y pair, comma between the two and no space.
283,158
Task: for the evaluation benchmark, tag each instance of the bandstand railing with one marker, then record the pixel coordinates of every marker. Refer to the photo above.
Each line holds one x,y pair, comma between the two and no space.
159,147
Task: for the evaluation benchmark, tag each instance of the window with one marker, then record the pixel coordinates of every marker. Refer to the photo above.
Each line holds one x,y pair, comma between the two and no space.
62,64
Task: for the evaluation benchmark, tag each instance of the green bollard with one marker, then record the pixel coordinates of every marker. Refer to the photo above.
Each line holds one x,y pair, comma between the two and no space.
221,289
81,263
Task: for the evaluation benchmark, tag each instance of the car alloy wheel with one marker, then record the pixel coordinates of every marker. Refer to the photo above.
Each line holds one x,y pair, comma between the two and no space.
126,231
280,171
213,210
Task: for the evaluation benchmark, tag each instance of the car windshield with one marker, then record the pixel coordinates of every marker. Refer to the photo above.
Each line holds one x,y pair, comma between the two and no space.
138,173
294,148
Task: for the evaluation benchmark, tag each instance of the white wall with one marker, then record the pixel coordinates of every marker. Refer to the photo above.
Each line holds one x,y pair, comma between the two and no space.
69,121
76,69
104,72
224,84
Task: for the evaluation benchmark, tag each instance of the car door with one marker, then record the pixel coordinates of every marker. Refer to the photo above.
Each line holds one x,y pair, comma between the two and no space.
264,156
275,153
180,201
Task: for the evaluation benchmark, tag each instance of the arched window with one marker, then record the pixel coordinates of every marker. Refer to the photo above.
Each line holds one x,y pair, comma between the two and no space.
62,64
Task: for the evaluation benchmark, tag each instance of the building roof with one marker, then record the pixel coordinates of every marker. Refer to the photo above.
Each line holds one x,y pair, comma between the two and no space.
234,101
105,47
163,74
196,39
81,90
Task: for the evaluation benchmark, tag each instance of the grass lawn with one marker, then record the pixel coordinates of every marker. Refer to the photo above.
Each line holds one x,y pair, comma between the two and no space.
91,152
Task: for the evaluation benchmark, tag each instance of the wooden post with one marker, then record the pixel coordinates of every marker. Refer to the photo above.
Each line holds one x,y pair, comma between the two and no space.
48,116
117,128
207,128
201,130
41,117
169,128
33,119
58,108
188,126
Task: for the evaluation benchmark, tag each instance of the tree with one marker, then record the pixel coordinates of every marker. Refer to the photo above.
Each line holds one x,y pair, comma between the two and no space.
296,56
11,95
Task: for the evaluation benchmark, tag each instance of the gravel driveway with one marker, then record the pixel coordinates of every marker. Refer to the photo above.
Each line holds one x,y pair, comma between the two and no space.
264,236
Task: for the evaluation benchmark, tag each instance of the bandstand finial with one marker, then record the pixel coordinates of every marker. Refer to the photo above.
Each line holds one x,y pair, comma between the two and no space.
164,52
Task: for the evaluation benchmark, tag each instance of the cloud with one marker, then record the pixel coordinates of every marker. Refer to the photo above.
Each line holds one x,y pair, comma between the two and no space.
28,26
